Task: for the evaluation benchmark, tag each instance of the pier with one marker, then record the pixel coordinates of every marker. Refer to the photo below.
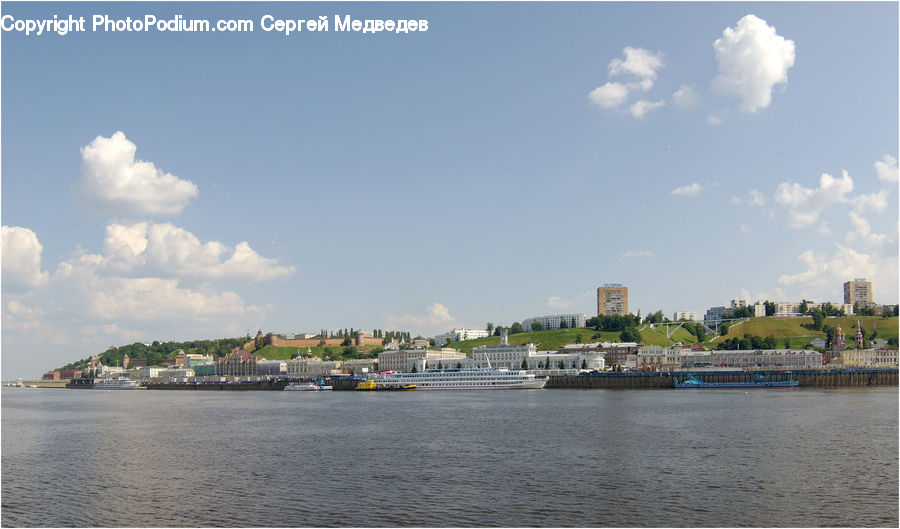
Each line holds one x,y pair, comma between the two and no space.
630,380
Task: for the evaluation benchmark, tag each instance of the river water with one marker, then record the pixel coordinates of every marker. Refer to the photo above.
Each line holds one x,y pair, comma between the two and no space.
560,458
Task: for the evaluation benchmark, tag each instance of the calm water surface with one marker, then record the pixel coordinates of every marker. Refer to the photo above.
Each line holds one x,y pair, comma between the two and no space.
795,457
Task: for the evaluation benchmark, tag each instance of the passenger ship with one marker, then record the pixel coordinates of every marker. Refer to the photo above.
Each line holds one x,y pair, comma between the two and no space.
117,383
481,378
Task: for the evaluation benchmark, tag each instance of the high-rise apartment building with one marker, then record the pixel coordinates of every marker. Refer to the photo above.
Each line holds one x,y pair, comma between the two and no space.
612,298
858,291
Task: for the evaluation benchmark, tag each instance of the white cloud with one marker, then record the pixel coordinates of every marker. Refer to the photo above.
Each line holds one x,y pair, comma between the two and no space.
752,59
805,204
757,198
863,231
825,274
114,181
714,120
21,251
88,332
776,294
151,298
688,190
824,228
887,169
637,253
94,295
638,62
876,202
147,247
684,97
556,302
610,95
640,108
436,314
745,229
17,316
820,270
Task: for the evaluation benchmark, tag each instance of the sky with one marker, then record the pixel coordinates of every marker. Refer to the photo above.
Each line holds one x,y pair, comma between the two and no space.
501,165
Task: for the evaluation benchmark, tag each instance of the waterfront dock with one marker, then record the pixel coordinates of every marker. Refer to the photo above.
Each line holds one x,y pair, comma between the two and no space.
629,380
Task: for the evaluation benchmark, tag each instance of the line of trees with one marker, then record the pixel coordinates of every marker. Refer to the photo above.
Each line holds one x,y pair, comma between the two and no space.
157,351
750,342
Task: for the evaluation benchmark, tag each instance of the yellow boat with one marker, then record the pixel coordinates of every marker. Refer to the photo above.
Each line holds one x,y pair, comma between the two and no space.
369,385
366,385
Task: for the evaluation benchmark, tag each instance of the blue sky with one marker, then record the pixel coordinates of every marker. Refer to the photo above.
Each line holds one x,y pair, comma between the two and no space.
501,165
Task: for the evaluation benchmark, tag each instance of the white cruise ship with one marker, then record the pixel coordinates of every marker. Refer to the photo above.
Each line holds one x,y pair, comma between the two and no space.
116,383
444,379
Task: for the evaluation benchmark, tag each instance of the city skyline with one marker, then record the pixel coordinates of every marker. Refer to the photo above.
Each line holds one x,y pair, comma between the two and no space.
503,164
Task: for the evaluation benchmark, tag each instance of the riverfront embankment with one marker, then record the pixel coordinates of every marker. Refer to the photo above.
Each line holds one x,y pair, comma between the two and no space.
806,378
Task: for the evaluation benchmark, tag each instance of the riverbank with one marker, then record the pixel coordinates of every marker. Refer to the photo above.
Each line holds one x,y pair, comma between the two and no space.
806,378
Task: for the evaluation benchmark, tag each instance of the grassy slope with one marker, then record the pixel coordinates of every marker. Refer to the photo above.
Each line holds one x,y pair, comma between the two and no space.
800,336
544,340
780,328
658,336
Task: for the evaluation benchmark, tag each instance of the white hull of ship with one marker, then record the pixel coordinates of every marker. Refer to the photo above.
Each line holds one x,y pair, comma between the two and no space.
534,384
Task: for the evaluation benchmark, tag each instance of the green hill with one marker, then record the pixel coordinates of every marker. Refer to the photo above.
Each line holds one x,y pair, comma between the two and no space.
544,340
657,336
799,330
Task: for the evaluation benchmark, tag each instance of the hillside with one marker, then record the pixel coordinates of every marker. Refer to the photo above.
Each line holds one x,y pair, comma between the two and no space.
658,336
796,330
544,340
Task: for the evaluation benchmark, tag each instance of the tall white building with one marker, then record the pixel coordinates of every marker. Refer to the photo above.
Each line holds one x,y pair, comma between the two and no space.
555,321
685,315
458,335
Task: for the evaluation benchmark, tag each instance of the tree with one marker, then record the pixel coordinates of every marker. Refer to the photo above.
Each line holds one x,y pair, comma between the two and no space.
490,328
563,324
584,363
515,328
524,363
818,318
630,334
655,317
574,323
804,307
536,326
829,335
770,307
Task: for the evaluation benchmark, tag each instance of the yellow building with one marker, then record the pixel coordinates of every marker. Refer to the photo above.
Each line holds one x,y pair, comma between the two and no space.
612,299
